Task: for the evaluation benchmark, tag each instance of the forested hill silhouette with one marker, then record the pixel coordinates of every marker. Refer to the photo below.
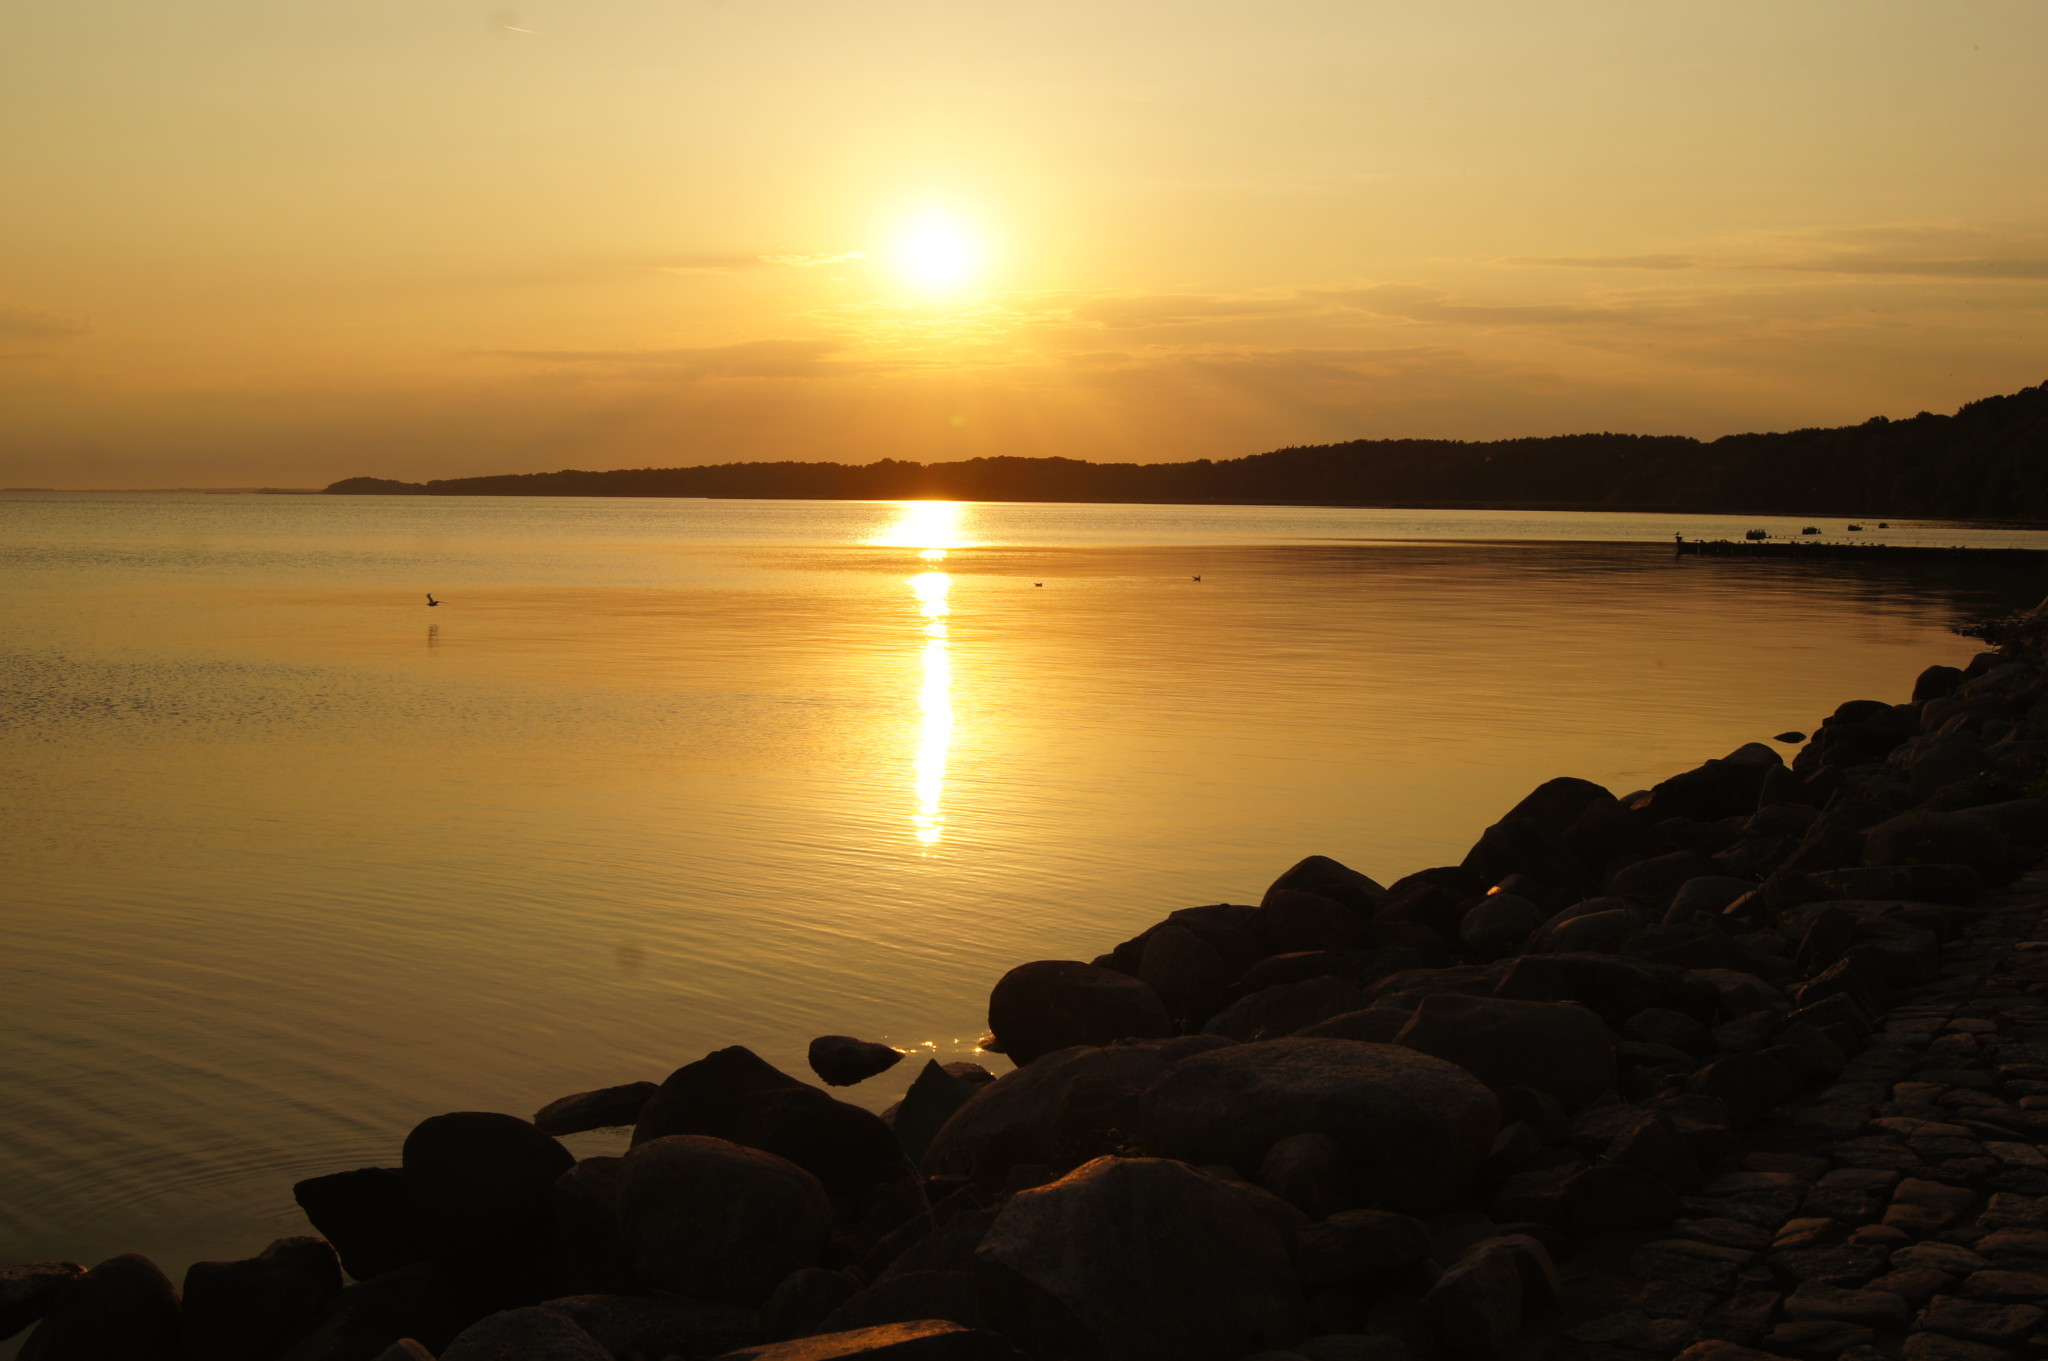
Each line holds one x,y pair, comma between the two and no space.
1989,460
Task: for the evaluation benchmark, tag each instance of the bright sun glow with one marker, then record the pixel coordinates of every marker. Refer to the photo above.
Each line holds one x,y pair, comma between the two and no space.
937,252
933,526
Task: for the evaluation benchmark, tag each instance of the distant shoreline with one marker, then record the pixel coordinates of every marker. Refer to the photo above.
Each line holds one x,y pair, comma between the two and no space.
1983,463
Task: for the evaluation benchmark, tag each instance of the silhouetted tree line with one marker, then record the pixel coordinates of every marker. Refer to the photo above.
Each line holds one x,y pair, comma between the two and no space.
1989,460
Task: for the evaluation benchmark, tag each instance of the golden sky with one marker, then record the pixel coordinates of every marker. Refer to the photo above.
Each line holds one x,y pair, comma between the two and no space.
261,242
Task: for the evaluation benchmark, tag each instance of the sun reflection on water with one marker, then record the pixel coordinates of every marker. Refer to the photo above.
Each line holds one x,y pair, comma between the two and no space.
933,528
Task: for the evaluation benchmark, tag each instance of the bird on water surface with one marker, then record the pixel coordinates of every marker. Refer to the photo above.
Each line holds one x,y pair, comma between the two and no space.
431,602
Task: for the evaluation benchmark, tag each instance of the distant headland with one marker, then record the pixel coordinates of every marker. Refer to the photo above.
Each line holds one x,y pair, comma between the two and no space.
1987,461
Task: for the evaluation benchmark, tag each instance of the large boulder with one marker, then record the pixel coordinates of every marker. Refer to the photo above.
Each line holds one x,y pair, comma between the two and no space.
28,1289
532,1334
1615,988
735,1095
1416,1128
252,1310
1321,875
1556,1047
1140,1259
718,1221
124,1308
479,1183
1053,1004
1189,974
589,1258
1708,793
418,1302
1286,1008
1522,847
1556,805
1929,838
1500,924
1016,1119
1290,920
364,1214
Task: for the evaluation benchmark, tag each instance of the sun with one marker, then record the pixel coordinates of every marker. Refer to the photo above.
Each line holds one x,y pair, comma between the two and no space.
937,252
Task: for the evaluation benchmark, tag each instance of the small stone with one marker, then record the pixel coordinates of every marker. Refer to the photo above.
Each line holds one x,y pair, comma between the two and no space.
1816,1338
1940,1257
843,1060
1871,1308
605,1108
1915,1285
1881,1235
2011,1287
1936,1347
1979,1320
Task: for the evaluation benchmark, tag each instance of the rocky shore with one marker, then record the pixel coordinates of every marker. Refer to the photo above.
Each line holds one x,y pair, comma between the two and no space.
1750,1064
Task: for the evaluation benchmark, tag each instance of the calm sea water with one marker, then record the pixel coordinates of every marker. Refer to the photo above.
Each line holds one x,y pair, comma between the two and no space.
289,861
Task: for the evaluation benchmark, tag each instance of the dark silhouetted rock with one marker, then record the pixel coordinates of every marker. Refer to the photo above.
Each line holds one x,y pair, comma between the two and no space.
717,1221
934,1096
1615,989
419,1302
1475,1307
1747,1084
1524,848
365,1216
1309,1172
1327,878
1053,1004
530,1334
1656,881
1937,682
124,1309
1616,1196
481,1190
843,1060
804,1298
405,1349
1356,1244
1710,792
1415,1128
1603,932
1662,1025
1290,921
909,1297
1499,924
1015,1120
1286,1008
927,1340
589,1258
27,1291
1189,974
1707,895
254,1309
1555,805
605,1108
653,1327
1556,1047
735,1095
1142,1259
1377,1024
1929,838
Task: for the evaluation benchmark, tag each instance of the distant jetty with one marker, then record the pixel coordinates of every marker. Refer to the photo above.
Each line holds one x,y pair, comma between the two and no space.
1809,549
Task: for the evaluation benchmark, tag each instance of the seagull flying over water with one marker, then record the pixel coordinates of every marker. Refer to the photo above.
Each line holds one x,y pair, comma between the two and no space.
431,602
1038,583
1197,578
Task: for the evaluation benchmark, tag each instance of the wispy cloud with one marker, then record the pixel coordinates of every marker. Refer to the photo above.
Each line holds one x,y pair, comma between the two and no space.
19,323
813,261
754,359
1608,261
1415,303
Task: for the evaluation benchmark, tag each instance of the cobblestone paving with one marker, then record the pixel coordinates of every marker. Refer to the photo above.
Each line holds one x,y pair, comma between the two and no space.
1900,1211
